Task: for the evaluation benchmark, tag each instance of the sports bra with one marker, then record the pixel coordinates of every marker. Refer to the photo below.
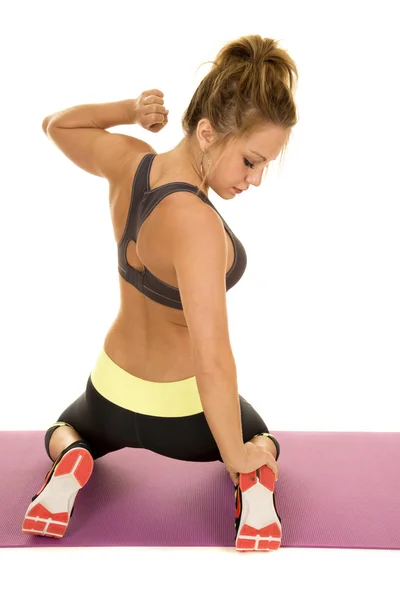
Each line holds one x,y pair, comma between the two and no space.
143,201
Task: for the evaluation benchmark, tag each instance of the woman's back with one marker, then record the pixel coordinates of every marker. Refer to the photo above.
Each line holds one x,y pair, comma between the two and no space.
148,339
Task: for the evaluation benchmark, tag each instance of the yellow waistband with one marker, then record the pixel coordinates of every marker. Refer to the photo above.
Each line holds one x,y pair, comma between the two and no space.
170,399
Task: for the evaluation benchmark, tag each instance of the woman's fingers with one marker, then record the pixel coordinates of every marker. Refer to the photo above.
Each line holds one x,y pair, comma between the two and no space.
153,100
155,109
154,92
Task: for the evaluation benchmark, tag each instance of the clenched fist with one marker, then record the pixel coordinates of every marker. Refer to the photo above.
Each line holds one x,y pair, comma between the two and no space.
148,111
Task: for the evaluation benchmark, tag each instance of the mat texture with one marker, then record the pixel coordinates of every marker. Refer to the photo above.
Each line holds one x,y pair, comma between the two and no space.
335,490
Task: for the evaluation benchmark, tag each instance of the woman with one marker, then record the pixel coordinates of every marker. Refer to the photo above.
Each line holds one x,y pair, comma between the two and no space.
165,379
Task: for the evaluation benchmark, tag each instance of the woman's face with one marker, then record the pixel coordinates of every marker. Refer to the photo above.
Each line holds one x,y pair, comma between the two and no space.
245,160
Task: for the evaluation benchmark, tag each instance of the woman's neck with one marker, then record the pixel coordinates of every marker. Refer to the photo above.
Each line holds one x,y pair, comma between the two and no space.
184,161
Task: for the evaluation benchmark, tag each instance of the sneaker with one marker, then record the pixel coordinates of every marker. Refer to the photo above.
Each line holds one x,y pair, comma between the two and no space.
51,508
257,523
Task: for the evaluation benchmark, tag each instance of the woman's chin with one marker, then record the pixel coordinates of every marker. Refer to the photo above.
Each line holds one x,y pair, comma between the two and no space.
227,194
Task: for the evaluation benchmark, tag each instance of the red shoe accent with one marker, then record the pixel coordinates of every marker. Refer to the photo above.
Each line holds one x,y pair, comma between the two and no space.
266,545
41,512
40,521
246,543
267,478
54,530
270,530
79,462
33,525
247,480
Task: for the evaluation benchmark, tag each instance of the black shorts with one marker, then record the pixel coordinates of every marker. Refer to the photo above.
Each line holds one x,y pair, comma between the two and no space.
118,410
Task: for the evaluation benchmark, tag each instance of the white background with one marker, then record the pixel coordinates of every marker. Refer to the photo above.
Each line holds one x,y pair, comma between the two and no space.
314,322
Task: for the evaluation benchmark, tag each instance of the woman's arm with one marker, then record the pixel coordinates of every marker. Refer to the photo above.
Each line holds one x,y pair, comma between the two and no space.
196,242
147,110
97,116
80,132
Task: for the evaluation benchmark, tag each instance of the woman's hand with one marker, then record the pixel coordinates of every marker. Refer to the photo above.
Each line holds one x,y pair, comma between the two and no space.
256,456
149,111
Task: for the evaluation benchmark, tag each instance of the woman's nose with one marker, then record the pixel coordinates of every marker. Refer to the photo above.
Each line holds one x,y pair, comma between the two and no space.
254,179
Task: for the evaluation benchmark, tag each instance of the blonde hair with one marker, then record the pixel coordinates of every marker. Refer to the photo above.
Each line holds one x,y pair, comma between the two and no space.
251,83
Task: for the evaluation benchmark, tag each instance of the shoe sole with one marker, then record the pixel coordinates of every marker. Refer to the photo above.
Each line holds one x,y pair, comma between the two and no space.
49,514
259,527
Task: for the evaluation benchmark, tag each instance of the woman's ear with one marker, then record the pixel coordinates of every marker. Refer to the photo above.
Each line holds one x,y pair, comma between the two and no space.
205,134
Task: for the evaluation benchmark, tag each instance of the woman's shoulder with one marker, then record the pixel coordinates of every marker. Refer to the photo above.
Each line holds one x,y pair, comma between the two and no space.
135,153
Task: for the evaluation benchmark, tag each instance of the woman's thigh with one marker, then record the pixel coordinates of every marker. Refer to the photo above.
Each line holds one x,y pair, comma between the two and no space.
103,425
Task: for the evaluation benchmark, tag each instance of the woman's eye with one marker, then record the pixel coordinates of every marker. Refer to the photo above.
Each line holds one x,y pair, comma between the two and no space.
248,163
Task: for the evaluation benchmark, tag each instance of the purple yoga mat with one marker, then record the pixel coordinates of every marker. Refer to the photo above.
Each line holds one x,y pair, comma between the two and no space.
335,490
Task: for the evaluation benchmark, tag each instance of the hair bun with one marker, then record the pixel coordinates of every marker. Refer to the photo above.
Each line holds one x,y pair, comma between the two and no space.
236,97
